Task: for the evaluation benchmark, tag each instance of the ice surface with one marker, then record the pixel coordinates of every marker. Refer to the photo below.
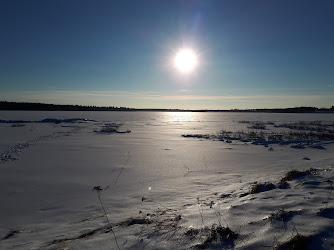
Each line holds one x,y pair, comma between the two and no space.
160,190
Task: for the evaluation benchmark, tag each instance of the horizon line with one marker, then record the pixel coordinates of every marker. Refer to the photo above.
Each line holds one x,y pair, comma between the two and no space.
121,108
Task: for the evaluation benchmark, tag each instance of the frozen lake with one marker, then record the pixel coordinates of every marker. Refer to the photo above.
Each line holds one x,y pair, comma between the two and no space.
48,168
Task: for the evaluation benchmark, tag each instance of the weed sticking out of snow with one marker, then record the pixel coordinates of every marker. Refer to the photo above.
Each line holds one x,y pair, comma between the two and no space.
199,136
259,188
281,215
308,125
282,184
262,187
299,136
297,242
192,232
110,128
220,236
98,190
295,174
258,125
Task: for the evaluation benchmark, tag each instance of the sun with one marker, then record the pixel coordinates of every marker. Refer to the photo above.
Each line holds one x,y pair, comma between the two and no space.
185,60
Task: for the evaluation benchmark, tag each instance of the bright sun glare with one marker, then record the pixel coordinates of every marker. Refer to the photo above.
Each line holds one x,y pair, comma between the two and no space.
185,60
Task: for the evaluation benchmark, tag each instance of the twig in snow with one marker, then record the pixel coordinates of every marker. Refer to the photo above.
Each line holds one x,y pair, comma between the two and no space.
129,157
98,190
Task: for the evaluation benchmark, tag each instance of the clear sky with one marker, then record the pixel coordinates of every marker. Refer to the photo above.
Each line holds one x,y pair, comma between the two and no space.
250,54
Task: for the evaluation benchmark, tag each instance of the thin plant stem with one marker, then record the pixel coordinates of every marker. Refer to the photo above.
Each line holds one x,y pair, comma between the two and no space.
329,194
105,213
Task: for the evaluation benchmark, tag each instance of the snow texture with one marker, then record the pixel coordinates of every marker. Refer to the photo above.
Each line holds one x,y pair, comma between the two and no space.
81,180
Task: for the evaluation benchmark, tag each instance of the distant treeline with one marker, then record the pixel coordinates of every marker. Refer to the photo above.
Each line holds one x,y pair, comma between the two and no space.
4,105
292,110
55,107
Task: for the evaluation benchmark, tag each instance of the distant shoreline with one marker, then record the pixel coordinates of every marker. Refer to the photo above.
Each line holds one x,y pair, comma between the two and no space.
27,106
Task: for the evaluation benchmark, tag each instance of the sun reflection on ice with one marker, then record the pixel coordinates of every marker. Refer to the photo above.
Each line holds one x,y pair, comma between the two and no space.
181,116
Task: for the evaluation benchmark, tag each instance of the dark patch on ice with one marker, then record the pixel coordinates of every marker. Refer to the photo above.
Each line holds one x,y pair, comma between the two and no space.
199,136
10,234
18,125
298,146
49,120
223,196
318,147
81,236
320,242
133,221
111,129
188,205
48,209
243,195
124,132
72,120
14,121
327,213
7,157
311,183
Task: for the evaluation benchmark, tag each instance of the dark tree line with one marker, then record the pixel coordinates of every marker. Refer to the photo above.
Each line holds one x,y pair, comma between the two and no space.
55,107
297,110
4,105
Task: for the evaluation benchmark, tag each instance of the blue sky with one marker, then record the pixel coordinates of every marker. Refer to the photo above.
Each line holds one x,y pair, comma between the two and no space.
251,54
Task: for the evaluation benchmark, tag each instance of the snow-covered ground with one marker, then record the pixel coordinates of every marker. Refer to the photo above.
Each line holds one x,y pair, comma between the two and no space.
162,190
